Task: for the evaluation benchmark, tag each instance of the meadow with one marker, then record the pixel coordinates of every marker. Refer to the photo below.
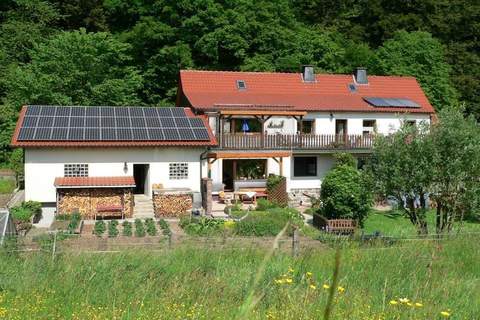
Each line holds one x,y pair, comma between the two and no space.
410,280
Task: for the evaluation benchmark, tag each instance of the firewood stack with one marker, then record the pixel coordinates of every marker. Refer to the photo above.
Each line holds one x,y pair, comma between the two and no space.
172,205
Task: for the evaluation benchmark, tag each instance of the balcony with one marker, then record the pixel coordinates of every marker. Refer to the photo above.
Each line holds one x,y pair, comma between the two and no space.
259,141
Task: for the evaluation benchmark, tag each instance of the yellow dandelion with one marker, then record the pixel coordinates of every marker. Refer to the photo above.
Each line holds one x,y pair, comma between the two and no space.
341,289
326,286
289,280
418,304
309,274
290,269
393,302
279,281
313,287
446,314
409,304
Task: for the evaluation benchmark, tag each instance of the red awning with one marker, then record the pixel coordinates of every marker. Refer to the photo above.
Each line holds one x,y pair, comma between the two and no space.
94,182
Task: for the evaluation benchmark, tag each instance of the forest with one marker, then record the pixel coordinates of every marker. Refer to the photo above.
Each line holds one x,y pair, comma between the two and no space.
129,52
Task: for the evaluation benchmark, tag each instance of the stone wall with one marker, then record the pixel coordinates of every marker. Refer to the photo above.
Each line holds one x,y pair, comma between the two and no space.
86,200
298,197
172,204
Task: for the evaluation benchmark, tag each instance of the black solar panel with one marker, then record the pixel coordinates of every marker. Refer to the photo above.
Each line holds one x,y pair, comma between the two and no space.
391,102
59,123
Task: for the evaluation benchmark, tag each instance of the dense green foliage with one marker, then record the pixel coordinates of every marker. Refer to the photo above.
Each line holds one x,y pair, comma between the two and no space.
344,193
7,186
129,52
188,283
25,211
438,162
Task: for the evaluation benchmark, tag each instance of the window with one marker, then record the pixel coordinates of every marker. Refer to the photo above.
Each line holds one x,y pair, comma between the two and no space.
369,126
307,126
178,170
75,170
410,123
241,85
305,166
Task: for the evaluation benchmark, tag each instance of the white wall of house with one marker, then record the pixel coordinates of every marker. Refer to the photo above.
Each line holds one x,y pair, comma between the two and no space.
43,165
324,164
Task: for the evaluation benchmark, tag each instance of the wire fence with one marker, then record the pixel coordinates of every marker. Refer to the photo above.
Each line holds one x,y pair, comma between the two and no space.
60,242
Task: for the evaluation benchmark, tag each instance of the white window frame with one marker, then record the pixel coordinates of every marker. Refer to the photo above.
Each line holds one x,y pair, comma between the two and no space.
75,170
178,170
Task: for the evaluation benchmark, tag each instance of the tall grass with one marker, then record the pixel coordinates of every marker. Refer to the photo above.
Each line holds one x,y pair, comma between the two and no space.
188,283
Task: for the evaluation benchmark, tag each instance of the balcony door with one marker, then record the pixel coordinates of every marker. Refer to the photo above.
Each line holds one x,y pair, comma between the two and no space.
341,127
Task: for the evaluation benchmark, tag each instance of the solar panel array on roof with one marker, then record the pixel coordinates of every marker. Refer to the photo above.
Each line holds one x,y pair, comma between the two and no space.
391,102
54,123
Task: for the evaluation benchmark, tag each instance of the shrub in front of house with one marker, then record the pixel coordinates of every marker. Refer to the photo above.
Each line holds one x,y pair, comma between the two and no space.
127,228
112,228
345,195
269,222
139,228
202,226
99,228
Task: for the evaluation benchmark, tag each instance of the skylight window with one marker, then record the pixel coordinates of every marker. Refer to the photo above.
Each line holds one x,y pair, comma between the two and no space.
241,85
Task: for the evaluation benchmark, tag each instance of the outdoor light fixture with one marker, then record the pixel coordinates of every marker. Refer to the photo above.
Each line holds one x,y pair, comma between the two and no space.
125,167
331,116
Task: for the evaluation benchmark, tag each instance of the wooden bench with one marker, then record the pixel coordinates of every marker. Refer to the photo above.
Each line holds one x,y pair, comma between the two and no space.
110,210
341,226
259,193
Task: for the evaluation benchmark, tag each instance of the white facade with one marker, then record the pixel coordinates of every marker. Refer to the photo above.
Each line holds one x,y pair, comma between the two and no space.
43,165
324,123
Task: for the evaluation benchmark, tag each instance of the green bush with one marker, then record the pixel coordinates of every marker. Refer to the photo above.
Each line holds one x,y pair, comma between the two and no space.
26,211
139,228
127,228
272,181
268,223
344,158
264,204
151,228
201,226
344,194
99,228
6,186
112,228
74,221
165,227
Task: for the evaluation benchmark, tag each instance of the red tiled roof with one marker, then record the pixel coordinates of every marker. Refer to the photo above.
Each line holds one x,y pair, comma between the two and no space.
330,92
83,182
164,143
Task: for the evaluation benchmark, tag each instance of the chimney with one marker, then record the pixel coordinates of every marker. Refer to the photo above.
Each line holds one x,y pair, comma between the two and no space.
308,74
361,76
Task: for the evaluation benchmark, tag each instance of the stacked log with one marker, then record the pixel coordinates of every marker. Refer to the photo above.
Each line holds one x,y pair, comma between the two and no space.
172,205
85,201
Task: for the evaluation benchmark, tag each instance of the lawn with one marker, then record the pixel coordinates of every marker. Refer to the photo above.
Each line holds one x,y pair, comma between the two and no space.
395,224
188,283
6,186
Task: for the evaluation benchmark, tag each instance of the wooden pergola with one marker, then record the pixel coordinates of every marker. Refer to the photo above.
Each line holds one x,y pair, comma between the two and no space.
277,156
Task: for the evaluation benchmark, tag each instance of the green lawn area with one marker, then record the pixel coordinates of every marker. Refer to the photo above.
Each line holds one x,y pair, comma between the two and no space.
394,223
6,186
200,283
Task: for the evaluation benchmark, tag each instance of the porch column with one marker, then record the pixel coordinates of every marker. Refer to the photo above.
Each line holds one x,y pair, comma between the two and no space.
220,133
280,163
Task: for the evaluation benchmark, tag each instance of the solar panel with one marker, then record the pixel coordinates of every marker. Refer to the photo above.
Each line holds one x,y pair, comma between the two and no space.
77,122
140,134
92,122
92,112
138,122
186,134
26,134
165,112
92,134
178,112
60,123
167,122
43,133
391,102
171,134
182,122
201,134
124,134
30,121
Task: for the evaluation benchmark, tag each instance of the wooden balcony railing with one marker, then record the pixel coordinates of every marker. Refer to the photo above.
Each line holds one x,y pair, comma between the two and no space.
295,141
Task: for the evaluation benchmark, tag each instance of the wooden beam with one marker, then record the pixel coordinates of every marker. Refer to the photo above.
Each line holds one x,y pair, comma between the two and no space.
248,155
262,113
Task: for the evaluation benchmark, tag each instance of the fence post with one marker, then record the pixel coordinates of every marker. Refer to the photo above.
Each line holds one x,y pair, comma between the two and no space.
295,242
54,247
170,240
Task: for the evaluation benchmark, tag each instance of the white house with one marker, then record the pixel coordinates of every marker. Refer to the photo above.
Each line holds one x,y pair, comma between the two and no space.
233,127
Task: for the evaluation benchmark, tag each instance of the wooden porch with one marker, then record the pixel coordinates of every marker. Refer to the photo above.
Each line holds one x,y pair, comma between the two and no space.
240,141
